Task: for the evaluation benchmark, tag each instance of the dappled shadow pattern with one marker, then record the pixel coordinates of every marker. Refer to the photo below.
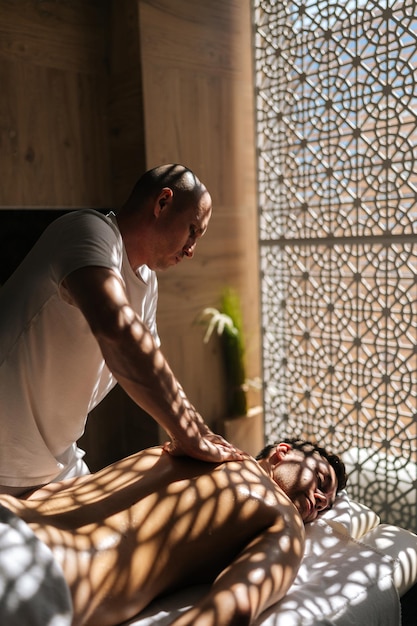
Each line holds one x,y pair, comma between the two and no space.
152,523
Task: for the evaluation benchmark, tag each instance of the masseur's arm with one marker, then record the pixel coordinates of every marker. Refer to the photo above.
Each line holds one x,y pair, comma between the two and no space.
260,576
139,366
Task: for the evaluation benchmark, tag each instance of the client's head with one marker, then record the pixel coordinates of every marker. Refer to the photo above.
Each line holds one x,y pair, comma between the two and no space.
309,475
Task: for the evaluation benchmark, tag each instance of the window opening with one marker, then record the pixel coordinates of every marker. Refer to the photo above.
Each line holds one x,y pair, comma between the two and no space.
336,132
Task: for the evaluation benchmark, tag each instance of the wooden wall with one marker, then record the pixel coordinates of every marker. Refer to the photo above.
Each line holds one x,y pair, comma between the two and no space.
53,104
93,92
198,111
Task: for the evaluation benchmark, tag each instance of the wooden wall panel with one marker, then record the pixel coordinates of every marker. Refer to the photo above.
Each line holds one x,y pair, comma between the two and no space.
198,104
53,104
66,35
126,131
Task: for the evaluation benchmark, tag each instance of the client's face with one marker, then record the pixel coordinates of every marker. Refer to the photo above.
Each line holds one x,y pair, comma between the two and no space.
308,480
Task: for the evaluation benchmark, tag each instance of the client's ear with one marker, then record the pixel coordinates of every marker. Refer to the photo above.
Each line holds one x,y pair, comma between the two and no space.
282,450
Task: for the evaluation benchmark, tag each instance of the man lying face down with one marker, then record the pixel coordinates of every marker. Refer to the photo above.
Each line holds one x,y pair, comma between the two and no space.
153,523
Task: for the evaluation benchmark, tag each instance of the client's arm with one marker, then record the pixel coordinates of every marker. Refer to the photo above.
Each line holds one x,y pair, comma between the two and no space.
258,578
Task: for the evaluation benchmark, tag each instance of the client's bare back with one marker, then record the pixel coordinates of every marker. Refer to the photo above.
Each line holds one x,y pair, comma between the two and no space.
148,524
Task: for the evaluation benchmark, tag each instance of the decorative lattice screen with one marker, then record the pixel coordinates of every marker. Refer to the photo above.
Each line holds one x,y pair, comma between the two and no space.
336,118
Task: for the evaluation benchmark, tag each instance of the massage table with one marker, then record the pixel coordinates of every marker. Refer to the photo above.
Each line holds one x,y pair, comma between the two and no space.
353,572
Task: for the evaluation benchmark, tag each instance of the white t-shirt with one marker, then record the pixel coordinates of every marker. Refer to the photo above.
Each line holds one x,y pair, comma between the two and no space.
52,372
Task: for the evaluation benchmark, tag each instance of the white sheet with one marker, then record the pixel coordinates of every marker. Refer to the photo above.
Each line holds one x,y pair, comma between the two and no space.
402,546
341,582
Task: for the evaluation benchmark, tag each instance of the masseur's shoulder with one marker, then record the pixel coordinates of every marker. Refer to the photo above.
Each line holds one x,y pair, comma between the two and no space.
81,224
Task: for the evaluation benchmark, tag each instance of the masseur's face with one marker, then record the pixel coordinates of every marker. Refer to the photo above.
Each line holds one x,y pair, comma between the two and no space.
308,480
178,229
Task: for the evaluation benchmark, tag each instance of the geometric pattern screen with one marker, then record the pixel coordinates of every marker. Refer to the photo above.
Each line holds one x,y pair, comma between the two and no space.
336,114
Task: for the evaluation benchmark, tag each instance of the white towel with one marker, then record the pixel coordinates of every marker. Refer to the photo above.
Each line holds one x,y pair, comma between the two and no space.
33,591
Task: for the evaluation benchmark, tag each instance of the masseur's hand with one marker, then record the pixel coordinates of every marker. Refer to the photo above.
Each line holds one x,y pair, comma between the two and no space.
205,446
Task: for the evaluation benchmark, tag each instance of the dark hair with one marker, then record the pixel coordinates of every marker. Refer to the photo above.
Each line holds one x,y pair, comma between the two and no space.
308,447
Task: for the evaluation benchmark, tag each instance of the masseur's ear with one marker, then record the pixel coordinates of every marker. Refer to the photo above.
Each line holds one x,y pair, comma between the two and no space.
163,200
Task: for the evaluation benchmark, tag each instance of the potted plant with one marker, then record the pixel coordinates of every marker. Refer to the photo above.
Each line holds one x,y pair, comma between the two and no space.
242,425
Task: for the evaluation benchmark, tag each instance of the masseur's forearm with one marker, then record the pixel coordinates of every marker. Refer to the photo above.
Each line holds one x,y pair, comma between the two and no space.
139,366
143,372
